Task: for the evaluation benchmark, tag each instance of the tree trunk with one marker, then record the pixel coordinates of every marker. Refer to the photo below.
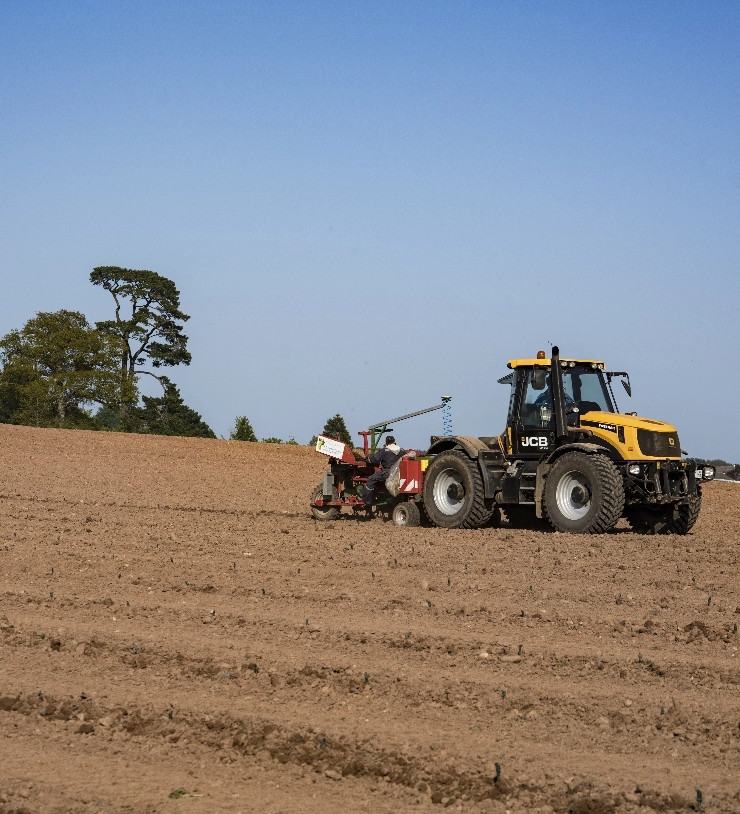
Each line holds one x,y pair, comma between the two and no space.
61,412
125,406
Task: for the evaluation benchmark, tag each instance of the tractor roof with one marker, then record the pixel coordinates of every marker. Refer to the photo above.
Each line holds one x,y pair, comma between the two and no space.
515,363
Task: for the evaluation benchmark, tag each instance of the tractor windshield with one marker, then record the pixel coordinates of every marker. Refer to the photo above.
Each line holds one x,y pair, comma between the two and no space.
584,388
587,388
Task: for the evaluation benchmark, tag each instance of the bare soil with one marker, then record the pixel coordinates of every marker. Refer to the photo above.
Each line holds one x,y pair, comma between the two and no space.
178,635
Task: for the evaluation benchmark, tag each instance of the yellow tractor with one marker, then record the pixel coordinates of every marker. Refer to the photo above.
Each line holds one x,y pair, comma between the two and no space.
567,457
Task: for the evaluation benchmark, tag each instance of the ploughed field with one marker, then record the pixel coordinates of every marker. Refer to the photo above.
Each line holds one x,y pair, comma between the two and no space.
179,635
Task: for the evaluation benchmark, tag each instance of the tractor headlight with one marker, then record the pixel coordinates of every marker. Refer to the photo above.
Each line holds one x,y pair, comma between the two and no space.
634,469
708,472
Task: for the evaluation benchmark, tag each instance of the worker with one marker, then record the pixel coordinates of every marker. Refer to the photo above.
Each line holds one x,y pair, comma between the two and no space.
386,457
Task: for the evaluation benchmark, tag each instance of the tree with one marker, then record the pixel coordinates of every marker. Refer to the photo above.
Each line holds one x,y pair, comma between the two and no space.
152,332
337,429
168,415
53,366
272,440
243,430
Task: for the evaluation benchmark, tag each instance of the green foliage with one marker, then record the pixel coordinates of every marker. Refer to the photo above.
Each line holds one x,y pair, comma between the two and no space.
243,430
151,329
336,428
272,440
109,418
292,441
168,415
53,366
314,440
718,462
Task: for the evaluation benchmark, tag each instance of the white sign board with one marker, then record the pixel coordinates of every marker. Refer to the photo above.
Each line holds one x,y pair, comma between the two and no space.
330,447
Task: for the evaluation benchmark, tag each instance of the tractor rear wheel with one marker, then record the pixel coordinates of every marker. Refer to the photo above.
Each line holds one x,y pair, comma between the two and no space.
324,512
406,514
676,518
453,492
584,494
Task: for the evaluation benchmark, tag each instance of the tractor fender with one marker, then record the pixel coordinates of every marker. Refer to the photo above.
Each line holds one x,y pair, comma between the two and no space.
579,446
544,466
468,443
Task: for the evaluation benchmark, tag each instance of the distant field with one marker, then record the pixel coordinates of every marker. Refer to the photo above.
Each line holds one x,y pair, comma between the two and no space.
173,621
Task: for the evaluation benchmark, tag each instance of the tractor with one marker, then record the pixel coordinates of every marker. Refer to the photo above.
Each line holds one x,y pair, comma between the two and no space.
567,459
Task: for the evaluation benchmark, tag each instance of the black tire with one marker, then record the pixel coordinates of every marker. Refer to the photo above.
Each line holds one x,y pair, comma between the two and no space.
466,508
324,513
584,494
406,514
524,517
676,518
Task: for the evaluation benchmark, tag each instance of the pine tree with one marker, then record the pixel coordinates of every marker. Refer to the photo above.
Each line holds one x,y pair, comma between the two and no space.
169,415
243,430
336,428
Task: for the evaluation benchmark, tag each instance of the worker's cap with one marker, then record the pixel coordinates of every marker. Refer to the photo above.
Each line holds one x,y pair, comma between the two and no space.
390,440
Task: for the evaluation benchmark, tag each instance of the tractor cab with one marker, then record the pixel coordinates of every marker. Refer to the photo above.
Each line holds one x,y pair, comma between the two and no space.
531,426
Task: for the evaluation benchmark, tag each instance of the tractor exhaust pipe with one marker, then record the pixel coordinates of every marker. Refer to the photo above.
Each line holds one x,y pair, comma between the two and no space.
558,395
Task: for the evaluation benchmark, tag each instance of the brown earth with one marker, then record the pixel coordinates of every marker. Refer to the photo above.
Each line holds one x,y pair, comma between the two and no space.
178,635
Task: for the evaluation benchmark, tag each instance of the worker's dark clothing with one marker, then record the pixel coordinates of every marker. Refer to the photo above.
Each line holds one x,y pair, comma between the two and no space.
385,458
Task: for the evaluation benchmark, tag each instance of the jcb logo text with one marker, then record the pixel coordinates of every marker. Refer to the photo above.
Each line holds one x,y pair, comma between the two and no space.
534,441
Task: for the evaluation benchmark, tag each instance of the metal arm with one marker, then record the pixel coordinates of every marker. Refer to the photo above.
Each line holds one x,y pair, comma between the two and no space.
376,431
445,399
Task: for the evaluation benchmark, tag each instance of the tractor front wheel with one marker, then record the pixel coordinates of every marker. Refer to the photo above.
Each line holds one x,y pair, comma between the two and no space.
676,518
584,494
324,512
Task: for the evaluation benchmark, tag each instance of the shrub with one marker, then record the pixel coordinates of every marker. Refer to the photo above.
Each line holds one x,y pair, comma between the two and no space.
243,430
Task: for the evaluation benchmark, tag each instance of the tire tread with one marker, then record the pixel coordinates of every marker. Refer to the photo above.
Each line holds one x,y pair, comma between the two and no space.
479,513
612,504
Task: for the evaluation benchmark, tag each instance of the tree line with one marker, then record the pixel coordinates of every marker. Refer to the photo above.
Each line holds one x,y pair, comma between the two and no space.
61,371
58,370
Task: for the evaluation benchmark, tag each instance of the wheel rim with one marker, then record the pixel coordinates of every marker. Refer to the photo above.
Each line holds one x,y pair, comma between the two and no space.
401,516
446,485
322,510
573,496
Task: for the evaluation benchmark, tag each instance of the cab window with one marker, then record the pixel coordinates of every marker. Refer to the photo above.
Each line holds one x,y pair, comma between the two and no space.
586,388
536,410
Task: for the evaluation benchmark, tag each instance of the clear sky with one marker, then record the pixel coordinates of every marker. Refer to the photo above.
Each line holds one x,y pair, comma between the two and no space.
367,205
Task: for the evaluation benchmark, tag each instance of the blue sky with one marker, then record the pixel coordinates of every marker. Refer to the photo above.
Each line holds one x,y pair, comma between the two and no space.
368,205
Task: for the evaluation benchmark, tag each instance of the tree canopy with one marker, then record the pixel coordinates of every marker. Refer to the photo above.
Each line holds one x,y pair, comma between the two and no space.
53,366
148,320
336,428
169,415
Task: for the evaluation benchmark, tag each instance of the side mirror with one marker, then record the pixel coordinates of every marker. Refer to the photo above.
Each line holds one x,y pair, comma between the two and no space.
627,386
539,380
